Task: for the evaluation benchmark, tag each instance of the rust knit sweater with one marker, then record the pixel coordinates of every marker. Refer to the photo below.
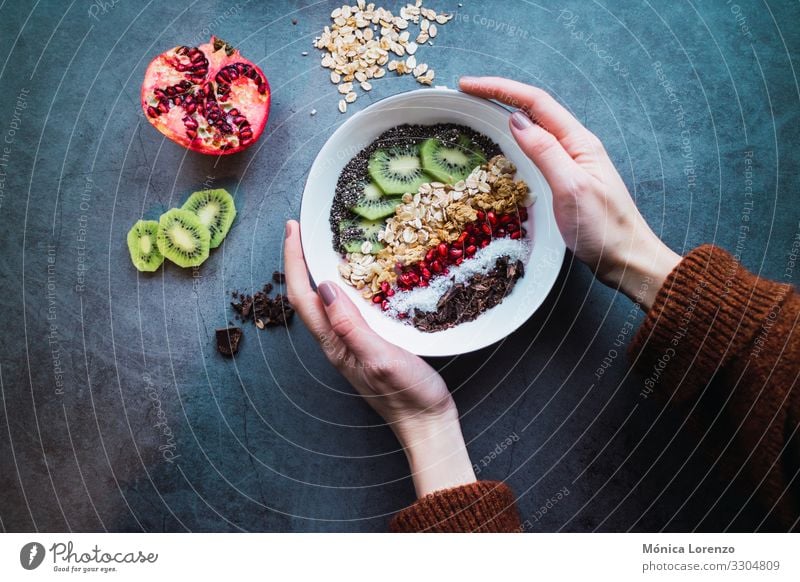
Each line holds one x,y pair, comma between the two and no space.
719,342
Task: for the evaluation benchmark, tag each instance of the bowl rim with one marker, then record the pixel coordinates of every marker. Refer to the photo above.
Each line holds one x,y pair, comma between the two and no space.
437,90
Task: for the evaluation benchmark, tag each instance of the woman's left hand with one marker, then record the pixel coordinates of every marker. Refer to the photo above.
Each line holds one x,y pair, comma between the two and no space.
408,393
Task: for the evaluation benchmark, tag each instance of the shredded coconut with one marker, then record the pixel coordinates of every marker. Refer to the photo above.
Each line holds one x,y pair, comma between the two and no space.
426,299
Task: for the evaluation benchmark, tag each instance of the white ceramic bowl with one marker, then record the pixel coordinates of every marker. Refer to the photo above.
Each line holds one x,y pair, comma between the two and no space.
429,106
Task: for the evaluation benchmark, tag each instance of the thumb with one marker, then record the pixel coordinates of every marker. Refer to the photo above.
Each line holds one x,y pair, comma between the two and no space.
544,149
348,324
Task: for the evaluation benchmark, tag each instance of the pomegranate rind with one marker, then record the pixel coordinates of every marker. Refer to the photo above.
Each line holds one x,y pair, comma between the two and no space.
249,97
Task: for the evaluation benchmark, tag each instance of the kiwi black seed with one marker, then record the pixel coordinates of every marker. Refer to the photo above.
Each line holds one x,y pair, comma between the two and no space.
398,169
216,211
143,246
450,161
182,238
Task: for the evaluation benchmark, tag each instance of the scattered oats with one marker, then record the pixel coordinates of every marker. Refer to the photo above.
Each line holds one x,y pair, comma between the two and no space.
345,88
342,106
350,97
361,76
443,18
335,77
411,62
411,48
422,38
432,31
366,86
313,112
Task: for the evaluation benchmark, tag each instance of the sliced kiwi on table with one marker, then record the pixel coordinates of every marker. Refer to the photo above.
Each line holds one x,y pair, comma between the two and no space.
450,162
372,204
182,238
397,170
354,232
216,211
143,246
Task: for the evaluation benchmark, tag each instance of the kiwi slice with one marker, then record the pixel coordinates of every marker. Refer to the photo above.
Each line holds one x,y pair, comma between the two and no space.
371,202
216,211
182,238
397,170
450,162
143,247
354,232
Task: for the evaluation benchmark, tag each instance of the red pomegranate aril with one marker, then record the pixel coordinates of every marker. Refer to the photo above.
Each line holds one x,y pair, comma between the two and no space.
485,243
470,250
505,219
512,227
377,298
442,249
429,255
500,232
481,215
471,240
390,292
384,286
384,305
436,266
492,217
426,274
153,112
456,253
423,283
459,260
191,134
486,229
515,235
402,315
462,237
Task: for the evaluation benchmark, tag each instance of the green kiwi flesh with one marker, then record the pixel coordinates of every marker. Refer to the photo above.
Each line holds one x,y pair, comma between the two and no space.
450,162
397,170
372,204
143,247
182,238
354,232
216,211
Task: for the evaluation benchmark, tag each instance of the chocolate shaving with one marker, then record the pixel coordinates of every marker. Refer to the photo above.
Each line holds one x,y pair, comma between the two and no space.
466,301
263,310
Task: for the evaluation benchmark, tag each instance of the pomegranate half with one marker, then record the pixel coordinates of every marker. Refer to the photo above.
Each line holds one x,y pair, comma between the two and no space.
208,98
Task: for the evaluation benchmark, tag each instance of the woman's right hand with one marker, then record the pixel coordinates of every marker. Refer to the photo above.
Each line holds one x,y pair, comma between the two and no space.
594,211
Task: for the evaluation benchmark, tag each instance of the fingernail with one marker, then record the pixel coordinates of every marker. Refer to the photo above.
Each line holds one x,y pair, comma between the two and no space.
327,292
520,121
288,229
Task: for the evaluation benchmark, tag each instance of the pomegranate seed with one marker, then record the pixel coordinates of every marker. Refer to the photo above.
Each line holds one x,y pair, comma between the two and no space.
481,215
512,227
462,238
390,292
515,235
426,274
486,229
429,255
402,315
500,232
442,249
492,217
459,260
190,107
423,283
191,134
505,219
436,266
153,112
484,243
471,250
456,253
422,265
384,286
471,240
384,305
377,298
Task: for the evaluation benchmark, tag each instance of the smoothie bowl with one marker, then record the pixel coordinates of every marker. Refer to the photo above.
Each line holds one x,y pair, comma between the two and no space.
428,215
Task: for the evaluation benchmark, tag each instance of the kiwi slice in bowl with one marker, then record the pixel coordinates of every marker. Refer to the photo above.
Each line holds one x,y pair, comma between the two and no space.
353,233
216,211
182,238
371,203
397,170
143,246
450,162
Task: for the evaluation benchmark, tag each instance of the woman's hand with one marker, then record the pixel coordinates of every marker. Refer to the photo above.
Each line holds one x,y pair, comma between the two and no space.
594,211
410,395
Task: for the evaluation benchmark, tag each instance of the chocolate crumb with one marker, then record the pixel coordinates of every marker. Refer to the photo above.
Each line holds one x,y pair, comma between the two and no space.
263,310
228,340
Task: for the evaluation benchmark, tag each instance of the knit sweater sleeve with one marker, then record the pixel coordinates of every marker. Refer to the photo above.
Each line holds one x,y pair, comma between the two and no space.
485,506
724,346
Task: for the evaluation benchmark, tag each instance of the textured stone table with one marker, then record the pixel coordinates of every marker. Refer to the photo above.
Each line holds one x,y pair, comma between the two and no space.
117,411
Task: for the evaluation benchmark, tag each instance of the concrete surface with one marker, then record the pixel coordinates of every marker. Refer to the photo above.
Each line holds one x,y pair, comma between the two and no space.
118,414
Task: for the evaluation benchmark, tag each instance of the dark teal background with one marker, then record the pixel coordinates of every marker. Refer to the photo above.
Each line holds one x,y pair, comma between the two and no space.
276,440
